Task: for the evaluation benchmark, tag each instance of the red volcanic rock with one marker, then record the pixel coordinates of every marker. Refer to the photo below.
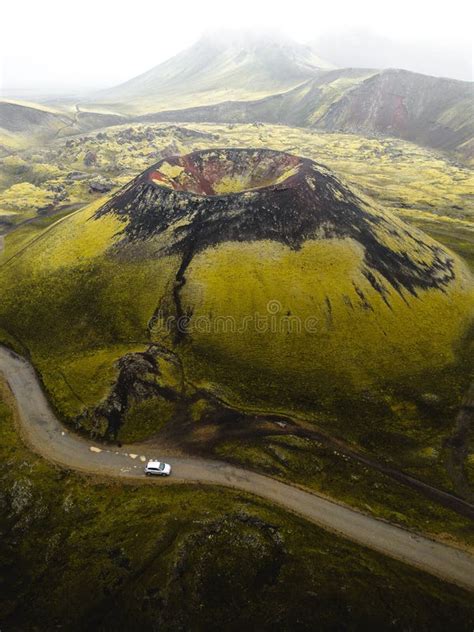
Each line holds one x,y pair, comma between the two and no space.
226,171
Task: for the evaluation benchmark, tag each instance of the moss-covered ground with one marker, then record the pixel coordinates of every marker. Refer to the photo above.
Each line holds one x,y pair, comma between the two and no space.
75,317
398,174
81,553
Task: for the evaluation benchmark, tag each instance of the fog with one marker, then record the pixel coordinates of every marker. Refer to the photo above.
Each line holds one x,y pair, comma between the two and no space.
65,47
364,48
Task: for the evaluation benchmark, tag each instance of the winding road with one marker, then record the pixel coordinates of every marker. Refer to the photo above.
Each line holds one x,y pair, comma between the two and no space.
43,433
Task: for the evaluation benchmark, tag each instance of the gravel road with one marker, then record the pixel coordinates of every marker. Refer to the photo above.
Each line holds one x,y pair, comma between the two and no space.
42,431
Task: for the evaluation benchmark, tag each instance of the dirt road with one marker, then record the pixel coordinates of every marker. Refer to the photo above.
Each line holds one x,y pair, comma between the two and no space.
45,435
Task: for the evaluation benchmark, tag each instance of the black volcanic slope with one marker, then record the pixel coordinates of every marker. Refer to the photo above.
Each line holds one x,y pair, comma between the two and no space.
233,195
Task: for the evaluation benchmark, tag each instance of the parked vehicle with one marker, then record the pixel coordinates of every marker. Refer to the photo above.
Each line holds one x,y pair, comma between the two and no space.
157,468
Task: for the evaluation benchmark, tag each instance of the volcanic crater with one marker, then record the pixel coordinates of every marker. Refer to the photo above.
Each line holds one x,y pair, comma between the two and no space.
227,172
237,195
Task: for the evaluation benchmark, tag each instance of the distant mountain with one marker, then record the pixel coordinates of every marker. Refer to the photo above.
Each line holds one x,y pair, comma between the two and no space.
228,65
24,117
23,123
301,106
253,77
430,111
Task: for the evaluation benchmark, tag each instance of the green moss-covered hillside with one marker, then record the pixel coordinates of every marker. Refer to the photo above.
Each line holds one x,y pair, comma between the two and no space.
289,293
82,554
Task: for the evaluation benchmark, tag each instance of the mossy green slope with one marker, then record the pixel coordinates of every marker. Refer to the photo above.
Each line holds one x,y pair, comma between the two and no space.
324,327
335,319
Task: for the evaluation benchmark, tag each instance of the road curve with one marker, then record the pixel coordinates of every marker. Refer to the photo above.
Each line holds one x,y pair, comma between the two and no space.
45,435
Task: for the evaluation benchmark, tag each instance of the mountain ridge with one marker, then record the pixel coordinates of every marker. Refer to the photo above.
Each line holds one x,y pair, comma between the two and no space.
250,77
430,111
242,63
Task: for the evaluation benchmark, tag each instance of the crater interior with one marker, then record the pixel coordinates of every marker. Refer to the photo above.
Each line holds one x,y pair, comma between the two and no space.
223,172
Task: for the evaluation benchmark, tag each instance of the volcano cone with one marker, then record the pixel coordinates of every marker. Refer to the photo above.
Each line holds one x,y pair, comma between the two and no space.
273,280
285,270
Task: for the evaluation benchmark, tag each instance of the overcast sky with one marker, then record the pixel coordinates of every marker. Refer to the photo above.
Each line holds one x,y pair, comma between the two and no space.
62,46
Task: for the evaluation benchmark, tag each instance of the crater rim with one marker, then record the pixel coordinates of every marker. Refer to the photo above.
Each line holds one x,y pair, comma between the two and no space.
253,170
